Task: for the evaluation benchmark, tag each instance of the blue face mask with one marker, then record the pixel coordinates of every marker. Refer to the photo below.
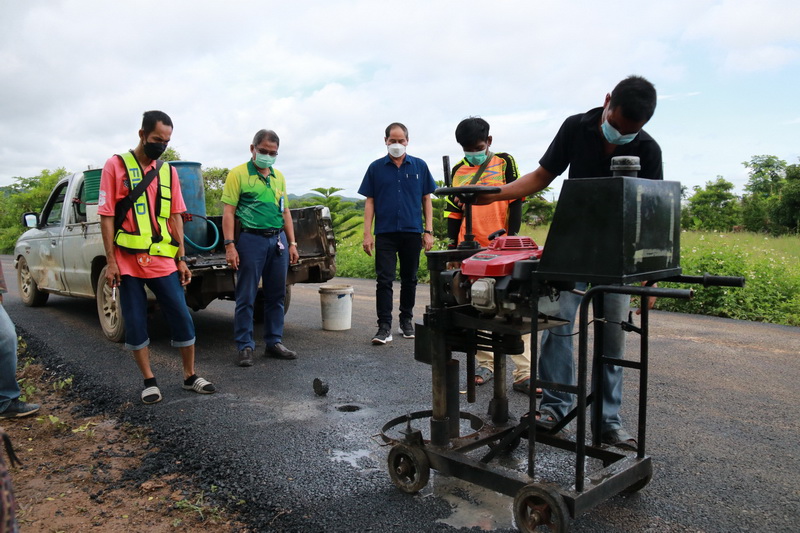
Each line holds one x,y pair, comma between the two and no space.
264,160
476,158
614,137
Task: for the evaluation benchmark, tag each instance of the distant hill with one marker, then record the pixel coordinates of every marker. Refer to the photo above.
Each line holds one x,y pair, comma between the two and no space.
312,195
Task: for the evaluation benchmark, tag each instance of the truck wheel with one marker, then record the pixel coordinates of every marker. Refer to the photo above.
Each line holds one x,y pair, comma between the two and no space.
28,290
258,305
109,311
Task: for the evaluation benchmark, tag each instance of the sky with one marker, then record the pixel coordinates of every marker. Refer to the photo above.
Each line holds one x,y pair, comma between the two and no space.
328,77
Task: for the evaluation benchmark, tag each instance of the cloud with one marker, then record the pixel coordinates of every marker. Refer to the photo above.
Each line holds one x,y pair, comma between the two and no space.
748,37
329,76
680,96
761,58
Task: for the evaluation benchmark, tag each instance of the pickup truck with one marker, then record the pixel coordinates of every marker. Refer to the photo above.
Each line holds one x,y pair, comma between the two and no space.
62,251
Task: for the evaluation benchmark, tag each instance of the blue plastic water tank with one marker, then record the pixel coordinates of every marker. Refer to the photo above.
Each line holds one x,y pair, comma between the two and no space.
194,196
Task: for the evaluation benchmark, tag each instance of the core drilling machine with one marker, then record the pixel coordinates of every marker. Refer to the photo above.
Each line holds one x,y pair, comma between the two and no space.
621,235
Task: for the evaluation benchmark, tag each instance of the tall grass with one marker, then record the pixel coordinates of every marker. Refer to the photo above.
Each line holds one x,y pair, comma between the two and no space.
770,266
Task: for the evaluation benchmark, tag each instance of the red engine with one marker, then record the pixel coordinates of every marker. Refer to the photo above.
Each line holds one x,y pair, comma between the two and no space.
498,260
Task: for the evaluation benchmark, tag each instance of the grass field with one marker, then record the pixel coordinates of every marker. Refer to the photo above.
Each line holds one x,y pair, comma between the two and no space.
770,266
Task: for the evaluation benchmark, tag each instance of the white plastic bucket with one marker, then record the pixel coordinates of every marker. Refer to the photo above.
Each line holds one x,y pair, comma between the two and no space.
336,303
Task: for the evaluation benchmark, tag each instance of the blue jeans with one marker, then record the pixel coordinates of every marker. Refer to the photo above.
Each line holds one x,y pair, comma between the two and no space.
9,388
259,260
170,297
557,363
388,248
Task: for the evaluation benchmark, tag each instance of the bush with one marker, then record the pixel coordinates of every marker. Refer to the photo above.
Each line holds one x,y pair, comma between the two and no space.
772,279
352,262
770,266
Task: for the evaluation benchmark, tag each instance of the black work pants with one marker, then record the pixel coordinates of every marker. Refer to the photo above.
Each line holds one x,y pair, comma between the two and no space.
389,247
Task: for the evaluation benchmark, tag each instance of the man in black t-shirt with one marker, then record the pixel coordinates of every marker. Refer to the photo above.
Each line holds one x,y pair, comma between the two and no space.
586,143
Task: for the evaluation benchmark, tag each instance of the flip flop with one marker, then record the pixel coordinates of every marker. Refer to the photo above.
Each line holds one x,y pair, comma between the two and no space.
151,395
545,418
484,375
524,386
200,386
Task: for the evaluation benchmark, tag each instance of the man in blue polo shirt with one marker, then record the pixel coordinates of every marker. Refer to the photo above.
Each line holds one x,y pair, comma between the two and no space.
398,188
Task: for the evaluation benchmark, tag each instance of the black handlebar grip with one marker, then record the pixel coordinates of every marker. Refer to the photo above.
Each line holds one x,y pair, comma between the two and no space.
722,281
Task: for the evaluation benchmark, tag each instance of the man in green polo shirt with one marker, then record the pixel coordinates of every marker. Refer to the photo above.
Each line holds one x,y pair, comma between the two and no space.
255,195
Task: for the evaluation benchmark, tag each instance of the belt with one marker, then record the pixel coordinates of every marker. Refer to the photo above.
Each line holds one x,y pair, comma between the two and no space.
263,232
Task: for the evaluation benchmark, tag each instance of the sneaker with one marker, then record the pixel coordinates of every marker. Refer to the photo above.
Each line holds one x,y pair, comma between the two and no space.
384,335
246,356
279,351
18,409
407,329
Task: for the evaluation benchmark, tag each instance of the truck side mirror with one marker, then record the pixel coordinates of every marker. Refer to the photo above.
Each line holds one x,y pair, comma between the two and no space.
30,220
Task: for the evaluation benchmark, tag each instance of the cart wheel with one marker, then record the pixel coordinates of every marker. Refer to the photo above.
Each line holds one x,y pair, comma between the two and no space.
409,468
539,506
639,485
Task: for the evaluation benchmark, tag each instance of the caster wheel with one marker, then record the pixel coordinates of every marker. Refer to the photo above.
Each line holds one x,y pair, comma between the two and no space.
540,508
409,468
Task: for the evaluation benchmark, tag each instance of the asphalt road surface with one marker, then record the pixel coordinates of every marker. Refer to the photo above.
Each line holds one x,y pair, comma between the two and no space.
722,420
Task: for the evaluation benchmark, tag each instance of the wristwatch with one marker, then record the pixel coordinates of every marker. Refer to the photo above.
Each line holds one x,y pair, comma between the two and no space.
226,242
292,243
183,258
429,232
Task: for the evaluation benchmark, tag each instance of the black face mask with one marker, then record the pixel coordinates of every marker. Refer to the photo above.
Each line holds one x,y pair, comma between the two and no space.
154,150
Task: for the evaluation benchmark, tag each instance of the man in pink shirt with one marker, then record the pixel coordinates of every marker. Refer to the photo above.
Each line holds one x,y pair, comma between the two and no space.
143,238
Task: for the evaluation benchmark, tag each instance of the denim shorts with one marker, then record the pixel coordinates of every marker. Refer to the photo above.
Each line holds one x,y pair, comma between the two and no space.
170,297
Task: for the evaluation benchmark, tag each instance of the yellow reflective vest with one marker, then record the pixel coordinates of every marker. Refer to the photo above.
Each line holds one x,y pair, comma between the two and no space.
147,237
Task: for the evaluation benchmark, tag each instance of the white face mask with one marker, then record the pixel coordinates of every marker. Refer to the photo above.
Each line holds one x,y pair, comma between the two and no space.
397,149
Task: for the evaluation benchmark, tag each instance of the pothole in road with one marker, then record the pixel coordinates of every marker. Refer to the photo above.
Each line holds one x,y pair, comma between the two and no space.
348,408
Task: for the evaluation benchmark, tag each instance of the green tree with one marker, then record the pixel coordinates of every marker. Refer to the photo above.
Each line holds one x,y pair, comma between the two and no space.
755,213
344,217
767,174
787,208
714,207
537,210
170,154
213,183
762,207
25,195
439,218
